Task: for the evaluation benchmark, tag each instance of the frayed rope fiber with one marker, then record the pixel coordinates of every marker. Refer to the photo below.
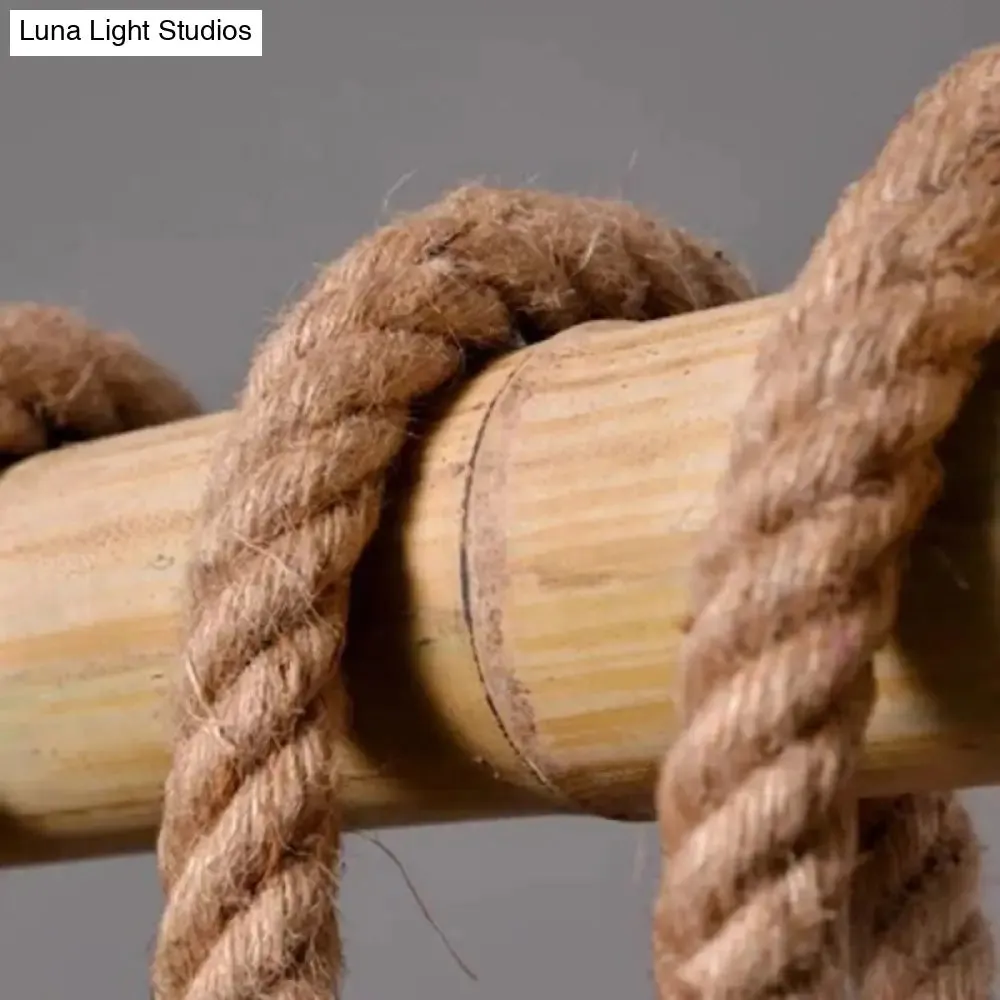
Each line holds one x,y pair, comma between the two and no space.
777,882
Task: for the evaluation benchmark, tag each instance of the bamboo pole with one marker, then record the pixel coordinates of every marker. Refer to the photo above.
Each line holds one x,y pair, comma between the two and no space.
516,624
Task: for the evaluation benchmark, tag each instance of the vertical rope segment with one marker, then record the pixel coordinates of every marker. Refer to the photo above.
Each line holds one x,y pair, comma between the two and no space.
832,470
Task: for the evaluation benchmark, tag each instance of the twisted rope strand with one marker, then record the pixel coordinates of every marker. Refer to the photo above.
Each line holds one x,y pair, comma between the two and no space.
62,380
832,469
249,846
919,930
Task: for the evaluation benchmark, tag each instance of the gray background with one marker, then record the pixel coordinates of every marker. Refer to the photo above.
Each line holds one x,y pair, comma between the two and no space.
187,199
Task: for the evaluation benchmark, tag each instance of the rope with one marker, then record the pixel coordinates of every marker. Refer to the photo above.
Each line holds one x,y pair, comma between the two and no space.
919,931
832,469
249,848
62,380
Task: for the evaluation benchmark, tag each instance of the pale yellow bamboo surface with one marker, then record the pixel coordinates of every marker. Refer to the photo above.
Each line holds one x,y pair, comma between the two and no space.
516,626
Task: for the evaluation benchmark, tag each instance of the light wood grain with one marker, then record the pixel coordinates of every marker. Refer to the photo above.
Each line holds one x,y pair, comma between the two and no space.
516,624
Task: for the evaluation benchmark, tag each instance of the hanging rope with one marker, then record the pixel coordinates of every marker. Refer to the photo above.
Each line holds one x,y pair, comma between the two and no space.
249,849
832,469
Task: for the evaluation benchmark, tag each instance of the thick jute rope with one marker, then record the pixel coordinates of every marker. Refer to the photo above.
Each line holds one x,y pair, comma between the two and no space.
832,469
249,848
62,380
